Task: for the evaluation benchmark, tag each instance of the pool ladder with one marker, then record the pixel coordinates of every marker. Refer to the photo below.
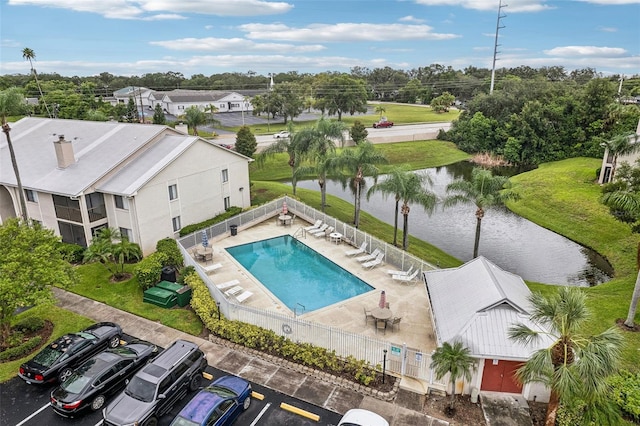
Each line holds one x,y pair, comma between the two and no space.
295,309
300,231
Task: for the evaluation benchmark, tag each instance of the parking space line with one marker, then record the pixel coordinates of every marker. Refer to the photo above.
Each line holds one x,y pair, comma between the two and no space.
260,414
35,413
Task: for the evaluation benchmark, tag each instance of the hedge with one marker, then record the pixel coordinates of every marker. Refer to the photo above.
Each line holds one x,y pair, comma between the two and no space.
149,269
254,337
230,212
169,246
22,350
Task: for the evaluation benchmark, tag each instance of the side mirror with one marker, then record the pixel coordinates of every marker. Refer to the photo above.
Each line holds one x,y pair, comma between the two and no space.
162,396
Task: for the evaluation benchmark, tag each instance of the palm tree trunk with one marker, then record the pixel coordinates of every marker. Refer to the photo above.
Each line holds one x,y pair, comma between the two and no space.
635,297
356,217
23,204
395,224
552,409
405,231
452,400
476,244
323,194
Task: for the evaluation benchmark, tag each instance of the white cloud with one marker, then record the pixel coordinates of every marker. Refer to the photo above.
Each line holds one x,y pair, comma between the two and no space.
212,44
611,2
608,29
410,18
485,5
588,51
343,32
145,9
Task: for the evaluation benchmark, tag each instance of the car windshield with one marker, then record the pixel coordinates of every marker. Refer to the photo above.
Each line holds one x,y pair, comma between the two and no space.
124,352
181,421
224,392
140,389
83,375
47,356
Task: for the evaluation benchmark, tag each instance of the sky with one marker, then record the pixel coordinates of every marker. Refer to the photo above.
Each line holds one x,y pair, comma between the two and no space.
136,37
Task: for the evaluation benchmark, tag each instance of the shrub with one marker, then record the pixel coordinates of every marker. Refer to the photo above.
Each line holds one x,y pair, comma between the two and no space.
33,323
22,350
149,269
72,253
230,212
169,246
626,393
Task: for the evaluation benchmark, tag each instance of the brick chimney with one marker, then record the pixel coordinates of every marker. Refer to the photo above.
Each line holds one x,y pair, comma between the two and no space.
64,152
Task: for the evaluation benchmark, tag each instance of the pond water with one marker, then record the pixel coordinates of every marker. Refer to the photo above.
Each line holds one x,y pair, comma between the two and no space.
515,244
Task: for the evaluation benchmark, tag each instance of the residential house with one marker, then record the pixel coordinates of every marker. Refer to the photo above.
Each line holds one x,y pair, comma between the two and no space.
148,181
177,101
611,161
476,304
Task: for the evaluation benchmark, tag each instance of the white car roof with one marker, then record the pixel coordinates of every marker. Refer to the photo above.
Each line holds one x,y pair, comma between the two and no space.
359,417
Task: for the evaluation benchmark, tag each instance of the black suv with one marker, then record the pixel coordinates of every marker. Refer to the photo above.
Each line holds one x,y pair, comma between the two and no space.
156,388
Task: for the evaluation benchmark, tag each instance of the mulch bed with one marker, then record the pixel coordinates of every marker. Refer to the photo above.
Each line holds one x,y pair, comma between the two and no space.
44,332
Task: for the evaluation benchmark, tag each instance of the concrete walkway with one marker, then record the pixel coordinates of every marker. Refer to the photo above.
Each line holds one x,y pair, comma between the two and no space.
404,409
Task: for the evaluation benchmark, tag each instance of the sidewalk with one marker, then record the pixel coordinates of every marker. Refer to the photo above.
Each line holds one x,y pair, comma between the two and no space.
266,371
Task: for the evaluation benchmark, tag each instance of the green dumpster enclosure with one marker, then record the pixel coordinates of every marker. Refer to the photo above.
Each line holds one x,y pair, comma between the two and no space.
182,292
160,297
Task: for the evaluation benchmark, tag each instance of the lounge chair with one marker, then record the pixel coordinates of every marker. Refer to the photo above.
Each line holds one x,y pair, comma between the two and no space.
212,268
244,296
324,233
400,272
368,257
406,278
233,290
320,230
227,284
313,227
373,263
357,251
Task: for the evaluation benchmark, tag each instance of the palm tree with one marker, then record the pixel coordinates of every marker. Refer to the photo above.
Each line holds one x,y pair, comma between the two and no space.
484,190
12,102
112,250
316,146
574,366
380,109
625,203
360,162
454,360
294,145
194,117
30,55
621,145
393,185
414,192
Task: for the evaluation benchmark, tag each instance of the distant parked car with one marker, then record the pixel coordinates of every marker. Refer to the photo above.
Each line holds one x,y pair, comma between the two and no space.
219,404
57,360
100,377
383,123
358,417
282,134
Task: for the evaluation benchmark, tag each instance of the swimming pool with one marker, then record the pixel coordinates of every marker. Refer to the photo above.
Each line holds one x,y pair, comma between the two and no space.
297,274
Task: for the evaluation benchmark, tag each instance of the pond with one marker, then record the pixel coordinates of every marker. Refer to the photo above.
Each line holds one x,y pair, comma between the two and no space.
515,244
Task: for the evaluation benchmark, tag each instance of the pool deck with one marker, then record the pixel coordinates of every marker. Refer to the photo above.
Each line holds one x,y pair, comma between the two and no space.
408,301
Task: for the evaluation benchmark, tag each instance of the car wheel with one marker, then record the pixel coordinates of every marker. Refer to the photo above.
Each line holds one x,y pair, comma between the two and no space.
151,422
246,403
97,402
65,373
114,342
195,381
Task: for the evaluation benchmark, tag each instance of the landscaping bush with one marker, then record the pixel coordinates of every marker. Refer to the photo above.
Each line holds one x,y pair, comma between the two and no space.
626,393
72,253
169,246
29,324
149,269
230,212
21,350
254,337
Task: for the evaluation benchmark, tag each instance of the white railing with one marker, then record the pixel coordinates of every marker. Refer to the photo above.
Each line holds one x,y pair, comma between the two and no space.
400,359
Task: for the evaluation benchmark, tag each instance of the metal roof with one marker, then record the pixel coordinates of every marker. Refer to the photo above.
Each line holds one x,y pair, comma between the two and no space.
99,148
477,303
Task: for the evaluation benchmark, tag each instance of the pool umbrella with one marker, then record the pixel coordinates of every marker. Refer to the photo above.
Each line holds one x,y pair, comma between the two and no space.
205,239
284,208
383,300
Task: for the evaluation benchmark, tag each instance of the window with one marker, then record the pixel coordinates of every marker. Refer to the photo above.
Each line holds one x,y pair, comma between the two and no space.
71,233
173,192
225,175
31,195
176,223
95,206
121,202
67,209
227,203
126,233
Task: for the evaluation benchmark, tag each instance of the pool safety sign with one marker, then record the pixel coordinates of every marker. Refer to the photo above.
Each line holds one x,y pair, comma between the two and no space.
395,350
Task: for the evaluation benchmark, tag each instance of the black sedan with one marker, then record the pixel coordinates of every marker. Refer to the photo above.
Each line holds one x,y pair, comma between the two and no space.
58,360
100,377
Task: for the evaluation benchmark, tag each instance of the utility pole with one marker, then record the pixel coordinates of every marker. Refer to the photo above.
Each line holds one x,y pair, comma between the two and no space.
495,45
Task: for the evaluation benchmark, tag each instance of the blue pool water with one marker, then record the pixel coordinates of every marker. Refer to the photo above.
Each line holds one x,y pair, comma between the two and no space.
296,274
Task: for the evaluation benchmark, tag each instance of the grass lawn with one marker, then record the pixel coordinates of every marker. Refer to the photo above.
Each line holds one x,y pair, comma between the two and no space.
93,282
63,321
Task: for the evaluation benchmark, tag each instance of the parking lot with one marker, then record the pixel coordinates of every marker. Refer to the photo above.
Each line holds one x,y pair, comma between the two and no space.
23,404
